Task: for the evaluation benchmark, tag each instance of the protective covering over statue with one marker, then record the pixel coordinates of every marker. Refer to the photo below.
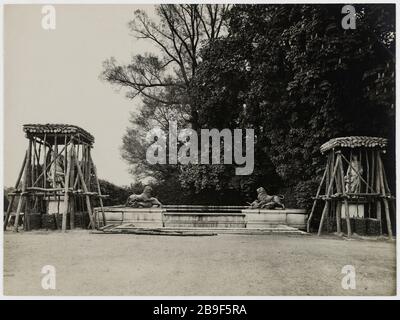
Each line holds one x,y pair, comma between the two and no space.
265,201
143,200
354,172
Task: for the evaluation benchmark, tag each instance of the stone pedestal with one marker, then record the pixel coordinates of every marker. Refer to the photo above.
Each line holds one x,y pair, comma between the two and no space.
266,218
53,206
139,217
204,220
199,217
356,210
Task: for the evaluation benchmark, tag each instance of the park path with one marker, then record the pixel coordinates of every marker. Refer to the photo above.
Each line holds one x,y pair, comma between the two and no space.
227,265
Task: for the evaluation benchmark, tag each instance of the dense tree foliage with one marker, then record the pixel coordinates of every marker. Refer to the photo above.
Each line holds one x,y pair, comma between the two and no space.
162,80
169,192
116,195
298,78
290,72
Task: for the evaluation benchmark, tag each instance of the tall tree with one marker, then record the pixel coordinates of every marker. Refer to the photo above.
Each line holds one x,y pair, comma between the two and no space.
298,78
162,80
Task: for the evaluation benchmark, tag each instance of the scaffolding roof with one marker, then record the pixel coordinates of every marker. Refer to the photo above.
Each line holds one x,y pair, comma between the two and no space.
354,142
39,130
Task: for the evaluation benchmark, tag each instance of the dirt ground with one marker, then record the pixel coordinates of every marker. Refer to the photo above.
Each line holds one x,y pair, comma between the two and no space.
228,265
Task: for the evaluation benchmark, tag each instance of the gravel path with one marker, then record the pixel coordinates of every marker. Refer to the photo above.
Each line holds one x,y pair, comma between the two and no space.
100,264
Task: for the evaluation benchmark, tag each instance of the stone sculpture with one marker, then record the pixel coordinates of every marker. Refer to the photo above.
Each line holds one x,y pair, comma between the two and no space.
352,178
266,201
143,200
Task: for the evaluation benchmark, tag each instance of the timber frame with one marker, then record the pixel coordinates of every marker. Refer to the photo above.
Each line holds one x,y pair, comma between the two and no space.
373,191
57,165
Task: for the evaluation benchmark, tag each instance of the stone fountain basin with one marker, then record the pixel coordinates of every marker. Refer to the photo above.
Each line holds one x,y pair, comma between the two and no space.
204,217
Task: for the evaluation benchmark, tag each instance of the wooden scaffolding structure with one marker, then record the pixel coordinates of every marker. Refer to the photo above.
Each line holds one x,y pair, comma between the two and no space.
58,169
354,172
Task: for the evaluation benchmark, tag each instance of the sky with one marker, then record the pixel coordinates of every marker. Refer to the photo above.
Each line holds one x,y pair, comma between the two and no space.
52,76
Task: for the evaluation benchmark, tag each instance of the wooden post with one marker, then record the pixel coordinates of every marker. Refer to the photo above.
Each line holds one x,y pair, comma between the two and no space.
330,177
66,192
338,210
33,161
385,182
101,200
89,164
44,163
368,181
9,208
19,208
360,188
65,157
328,194
38,171
384,199
321,223
88,204
313,206
55,156
77,185
391,200
367,164
373,168
27,218
23,190
338,217
10,205
346,202
378,190
72,197
76,182
83,163
341,189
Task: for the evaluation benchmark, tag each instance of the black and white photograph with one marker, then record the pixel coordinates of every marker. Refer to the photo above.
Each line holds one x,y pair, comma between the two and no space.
199,150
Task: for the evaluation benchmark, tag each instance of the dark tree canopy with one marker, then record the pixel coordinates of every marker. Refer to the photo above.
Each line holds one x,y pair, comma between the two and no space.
298,78
290,72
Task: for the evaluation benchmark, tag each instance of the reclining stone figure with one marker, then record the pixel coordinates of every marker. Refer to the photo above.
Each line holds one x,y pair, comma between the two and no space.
143,200
266,201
